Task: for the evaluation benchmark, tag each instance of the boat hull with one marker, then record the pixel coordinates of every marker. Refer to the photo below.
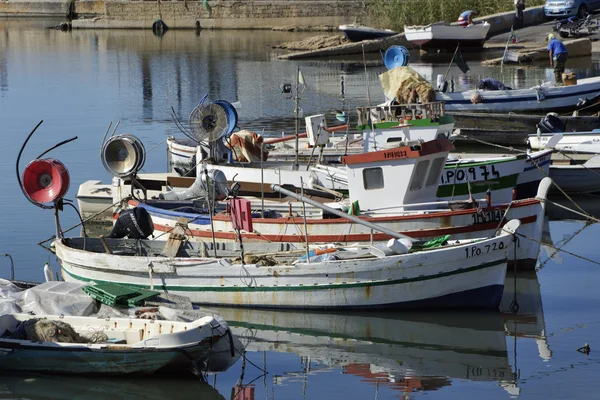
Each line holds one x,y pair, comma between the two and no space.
540,99
446,36
460,224
461,276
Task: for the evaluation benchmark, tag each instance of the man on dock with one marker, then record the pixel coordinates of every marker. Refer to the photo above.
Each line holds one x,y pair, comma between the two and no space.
558,56
466,18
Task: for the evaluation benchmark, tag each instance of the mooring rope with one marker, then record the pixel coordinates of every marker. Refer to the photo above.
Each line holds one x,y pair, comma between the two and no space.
558,249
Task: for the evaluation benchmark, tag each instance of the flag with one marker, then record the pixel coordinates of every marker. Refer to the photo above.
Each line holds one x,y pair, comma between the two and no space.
301,78
461,63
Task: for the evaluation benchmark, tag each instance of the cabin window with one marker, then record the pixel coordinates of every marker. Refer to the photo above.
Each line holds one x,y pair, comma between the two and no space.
434,172
373,178
419,175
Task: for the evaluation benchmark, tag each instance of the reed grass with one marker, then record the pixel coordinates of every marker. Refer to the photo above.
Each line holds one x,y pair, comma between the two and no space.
395,14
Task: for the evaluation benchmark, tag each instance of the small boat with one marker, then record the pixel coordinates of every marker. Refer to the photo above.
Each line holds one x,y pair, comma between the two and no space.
74,345
457,274
510,129
446,36
580,142
539,99
358,33
578,178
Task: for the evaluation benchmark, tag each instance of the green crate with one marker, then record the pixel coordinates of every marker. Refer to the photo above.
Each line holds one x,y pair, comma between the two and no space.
111,293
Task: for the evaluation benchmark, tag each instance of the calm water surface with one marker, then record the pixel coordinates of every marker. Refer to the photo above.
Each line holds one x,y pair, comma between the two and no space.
80,81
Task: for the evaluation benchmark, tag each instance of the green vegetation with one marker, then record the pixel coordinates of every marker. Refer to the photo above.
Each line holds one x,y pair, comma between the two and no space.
394,14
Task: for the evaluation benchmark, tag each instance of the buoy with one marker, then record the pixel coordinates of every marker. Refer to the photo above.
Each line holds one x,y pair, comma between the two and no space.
48,274
46,180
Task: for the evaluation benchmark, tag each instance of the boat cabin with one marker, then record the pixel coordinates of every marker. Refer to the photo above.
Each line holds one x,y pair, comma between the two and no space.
390,125
403,177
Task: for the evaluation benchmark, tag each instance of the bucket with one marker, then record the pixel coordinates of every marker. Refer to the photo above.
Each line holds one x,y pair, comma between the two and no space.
399,246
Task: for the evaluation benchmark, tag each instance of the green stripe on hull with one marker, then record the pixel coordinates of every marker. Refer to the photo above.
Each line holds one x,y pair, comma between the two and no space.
462,189
291,288
445,119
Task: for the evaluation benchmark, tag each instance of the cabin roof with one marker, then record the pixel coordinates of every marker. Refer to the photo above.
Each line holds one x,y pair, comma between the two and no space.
397,153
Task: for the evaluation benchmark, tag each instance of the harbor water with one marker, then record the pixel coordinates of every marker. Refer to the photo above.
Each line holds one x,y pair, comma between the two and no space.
80,82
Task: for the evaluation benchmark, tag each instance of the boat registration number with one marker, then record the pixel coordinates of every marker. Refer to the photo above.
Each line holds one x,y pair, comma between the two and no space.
470,174
482,249
487,216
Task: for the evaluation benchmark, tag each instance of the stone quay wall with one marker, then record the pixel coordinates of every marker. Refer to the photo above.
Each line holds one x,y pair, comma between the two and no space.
191,14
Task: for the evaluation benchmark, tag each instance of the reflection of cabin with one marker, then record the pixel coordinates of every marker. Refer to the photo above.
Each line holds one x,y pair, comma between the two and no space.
402,175
407,384
384,126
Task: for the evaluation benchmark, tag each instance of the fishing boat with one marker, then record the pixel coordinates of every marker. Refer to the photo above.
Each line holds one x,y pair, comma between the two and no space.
446,36
407,205
577,178
538,99
467,274
358,33
74,345
510,129
578,142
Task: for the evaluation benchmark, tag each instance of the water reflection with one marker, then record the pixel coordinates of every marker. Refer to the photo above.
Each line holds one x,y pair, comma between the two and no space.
522,310
46,387
401,351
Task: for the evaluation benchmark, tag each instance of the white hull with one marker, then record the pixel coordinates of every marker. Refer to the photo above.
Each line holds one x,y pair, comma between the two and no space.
141,347
466,275
547,98
442,35
460,224
588,142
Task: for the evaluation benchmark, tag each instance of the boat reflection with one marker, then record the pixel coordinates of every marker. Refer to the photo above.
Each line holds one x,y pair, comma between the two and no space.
39,387
403,351
522,310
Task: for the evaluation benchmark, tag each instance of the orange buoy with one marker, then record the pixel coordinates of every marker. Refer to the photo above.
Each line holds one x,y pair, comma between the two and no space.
46,180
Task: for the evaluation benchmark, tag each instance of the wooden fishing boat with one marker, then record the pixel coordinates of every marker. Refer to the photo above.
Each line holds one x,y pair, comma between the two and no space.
577,178
446,36
538,99
462,275
118,346
407,205
512,128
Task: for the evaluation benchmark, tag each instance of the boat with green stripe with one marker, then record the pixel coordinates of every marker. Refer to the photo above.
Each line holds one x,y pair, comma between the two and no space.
468,274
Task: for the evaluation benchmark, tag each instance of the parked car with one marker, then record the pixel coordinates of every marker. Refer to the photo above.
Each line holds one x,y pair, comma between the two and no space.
569,8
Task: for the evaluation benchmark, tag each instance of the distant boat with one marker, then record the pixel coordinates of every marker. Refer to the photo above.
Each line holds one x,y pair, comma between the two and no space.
358,33
442,35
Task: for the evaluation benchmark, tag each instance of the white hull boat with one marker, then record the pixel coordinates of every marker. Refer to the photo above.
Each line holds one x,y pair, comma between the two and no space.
126,346
445,36
586,142
539,99
465,275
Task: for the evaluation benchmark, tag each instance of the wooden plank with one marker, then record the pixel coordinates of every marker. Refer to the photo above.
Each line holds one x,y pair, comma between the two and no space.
176,238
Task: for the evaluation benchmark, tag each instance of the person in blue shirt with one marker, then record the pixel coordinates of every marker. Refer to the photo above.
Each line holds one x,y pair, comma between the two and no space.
466,18
558,56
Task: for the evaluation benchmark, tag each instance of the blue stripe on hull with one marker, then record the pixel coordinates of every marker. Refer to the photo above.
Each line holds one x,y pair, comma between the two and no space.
486,297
